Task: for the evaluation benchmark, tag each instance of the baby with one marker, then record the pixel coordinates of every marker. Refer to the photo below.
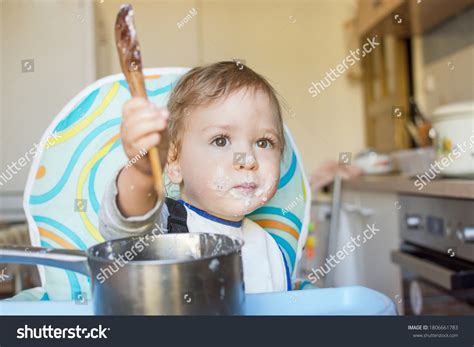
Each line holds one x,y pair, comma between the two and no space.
221,138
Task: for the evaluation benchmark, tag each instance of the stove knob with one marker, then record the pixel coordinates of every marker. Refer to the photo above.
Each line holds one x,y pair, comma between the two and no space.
465,234
468,234
449,230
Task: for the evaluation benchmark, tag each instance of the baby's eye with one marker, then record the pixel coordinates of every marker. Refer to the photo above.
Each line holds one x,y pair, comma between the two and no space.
265,143
220,141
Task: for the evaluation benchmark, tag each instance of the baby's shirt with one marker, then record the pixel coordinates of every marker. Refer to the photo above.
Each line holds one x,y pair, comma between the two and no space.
263,262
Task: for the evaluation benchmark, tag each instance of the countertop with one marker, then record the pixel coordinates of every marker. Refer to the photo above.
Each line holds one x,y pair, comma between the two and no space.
443,187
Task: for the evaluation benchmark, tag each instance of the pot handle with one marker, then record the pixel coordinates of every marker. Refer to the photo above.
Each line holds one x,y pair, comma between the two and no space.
67,259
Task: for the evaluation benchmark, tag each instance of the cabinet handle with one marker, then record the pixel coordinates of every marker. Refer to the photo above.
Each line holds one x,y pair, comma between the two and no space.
424,268
353,208
350,207
366,212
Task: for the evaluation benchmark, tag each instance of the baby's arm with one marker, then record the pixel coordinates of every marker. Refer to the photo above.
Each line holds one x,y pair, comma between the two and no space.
130,204
113,224
136,194
144,126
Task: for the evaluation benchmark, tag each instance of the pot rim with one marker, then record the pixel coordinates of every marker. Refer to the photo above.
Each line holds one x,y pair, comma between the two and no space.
91,256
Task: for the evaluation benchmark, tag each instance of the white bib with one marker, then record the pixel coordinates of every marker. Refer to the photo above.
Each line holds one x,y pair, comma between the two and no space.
263,264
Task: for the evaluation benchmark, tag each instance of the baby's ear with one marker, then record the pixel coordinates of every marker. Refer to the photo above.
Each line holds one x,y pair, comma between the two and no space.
173,170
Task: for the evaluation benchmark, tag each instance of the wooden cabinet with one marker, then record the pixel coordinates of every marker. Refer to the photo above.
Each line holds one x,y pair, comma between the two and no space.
386,74
425,15
404,18
372,13
386,95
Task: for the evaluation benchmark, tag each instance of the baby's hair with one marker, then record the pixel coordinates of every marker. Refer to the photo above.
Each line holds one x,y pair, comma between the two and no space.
204,85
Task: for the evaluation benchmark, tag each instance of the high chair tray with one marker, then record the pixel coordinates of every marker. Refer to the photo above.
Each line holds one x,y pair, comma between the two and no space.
329,301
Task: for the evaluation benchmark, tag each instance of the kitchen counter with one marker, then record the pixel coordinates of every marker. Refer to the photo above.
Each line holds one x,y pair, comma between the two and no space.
445,187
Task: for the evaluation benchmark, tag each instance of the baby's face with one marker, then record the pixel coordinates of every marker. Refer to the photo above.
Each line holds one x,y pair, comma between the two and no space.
230,155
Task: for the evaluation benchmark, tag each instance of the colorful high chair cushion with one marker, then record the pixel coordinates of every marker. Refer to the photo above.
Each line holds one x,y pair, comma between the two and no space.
69,176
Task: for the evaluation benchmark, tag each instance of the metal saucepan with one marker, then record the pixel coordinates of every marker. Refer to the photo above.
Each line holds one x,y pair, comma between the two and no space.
168,274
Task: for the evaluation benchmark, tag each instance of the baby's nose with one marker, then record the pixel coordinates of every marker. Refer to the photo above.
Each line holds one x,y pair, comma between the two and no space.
243,160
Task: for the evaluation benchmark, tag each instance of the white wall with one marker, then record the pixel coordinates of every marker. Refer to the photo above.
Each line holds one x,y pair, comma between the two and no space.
58,35
290,42
161,42
262,32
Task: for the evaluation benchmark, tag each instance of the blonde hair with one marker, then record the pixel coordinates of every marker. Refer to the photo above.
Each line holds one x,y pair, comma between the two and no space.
204,85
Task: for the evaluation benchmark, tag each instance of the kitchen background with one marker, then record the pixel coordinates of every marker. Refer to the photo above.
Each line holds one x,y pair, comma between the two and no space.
50,50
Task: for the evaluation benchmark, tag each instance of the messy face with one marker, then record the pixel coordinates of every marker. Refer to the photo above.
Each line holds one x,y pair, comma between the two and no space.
229,160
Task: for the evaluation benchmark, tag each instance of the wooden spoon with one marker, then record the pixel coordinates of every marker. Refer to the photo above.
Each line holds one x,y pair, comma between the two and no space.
130,60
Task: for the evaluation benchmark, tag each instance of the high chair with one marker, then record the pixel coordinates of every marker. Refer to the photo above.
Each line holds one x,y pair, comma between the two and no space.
69,176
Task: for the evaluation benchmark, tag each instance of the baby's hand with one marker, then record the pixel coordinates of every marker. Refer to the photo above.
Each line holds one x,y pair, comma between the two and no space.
144,126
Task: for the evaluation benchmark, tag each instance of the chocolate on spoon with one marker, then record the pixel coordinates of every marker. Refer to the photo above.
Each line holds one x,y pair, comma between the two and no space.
131,63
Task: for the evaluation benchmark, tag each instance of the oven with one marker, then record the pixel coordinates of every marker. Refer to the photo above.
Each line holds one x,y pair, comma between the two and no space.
436,255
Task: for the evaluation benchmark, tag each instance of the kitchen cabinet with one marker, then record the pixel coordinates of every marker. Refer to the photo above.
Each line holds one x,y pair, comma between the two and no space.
388,73
386,93
371,261
371,13
404,18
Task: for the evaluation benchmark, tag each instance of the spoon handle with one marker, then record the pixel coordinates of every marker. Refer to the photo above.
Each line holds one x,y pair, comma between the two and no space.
128,50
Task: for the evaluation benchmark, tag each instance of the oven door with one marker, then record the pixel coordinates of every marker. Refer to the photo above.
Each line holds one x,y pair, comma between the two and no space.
435,283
